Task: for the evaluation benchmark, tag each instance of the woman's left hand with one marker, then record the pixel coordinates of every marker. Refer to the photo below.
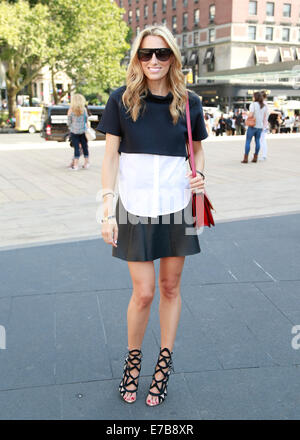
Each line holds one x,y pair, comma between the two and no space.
196,183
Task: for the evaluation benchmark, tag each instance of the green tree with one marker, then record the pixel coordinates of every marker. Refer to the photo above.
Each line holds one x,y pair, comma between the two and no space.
89,43
23,44
85,39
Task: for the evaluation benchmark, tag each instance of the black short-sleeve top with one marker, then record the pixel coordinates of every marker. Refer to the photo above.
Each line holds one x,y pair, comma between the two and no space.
153,132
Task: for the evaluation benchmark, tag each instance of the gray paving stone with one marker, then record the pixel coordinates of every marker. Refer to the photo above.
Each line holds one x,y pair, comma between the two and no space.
242,394
273,330
5,309
97,400
61,268
101,400
283,294
237,260
29,357
34,403
200,268
81,346
236,345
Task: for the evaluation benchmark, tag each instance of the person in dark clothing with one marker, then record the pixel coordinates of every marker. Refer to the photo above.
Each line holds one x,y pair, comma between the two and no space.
239,123
221,126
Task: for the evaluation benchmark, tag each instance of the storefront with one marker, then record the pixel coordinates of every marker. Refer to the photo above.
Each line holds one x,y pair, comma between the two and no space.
229,96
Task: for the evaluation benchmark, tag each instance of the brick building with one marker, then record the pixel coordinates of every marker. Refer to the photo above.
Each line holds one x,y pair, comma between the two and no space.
218,37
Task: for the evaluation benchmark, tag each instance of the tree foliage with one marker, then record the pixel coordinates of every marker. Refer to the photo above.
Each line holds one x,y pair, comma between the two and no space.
85,39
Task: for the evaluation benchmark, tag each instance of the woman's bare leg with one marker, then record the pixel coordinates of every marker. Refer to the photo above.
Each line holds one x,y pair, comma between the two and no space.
169,307
143,281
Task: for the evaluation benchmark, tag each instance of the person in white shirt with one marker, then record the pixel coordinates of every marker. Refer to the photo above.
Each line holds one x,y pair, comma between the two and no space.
263,140
257,110
145,123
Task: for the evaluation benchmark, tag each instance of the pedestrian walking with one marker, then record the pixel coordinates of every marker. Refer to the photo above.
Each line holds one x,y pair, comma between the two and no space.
263,139
228,126
239,123
220,125
233,126
289,124
145,123
77,123
258,111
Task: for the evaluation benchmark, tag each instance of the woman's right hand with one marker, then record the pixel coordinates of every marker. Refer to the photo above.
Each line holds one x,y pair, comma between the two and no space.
110,232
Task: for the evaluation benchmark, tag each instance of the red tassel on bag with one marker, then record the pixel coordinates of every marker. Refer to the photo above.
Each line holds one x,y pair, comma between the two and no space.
201,205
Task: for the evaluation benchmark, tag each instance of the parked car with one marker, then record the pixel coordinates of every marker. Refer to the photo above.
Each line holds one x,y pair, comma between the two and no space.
55,122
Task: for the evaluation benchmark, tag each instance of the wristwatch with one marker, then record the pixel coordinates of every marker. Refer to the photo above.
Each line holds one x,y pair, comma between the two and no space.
104,219
200,172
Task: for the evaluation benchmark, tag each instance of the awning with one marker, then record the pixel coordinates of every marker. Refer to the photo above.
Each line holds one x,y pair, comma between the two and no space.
209,55
286,54
193,59
261,53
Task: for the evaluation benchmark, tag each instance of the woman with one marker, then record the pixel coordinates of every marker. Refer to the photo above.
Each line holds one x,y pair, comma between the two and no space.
258,109
263,140
77,123
145,124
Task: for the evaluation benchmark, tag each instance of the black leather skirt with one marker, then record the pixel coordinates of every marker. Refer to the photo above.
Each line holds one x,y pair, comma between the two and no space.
148,238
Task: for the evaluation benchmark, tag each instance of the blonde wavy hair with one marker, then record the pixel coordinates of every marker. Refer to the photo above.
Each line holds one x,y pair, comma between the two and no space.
136,81
77,104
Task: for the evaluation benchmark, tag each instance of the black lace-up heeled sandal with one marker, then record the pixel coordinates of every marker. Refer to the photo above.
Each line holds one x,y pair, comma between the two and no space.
164,361
134,357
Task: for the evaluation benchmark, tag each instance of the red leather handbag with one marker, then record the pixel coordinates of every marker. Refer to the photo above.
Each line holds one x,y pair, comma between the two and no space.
201,205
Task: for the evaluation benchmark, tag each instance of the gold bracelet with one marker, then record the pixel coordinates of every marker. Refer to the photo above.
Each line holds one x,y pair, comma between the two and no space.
107,193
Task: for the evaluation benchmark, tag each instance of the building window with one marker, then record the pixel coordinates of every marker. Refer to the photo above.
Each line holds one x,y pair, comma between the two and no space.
212,13
164,5
174,4
154,9
184,40
137,30
196,17
129,16
196,38
270,9
211,35
252,8
185,3
129,2
299,35
252,32
137,14
287,9
174,23
164,21
185,20
121,3
269,33
285,34
146,10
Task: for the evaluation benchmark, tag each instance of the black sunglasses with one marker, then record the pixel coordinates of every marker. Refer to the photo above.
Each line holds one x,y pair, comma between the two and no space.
162,54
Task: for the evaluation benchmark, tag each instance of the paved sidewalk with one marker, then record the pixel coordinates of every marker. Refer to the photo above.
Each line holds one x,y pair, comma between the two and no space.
42,201
64,310
63,304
